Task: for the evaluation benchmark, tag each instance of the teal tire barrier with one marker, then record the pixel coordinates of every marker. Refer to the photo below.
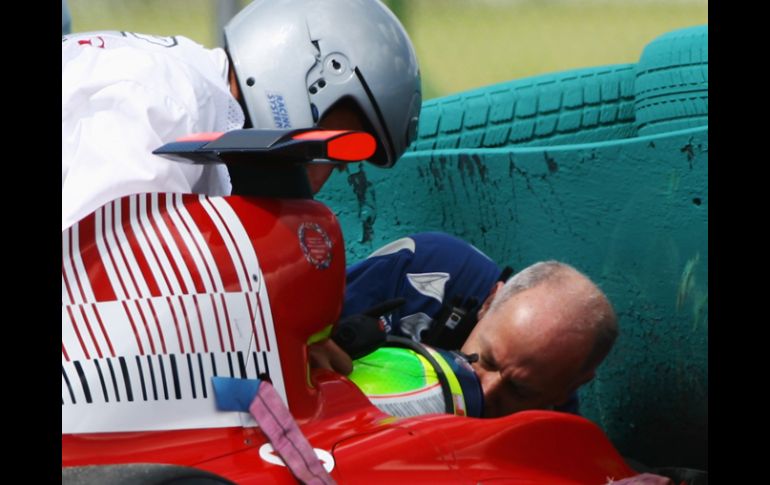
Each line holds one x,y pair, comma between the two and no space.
577,106
592,167
672,82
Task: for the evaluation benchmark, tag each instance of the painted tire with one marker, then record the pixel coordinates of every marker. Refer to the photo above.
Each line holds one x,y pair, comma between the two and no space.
672,82
577,106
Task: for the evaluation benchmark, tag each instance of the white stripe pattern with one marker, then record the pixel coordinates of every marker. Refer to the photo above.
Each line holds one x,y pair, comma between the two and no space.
195,315
143,291
204,247
171,245
80,270
157,248
113,223
192,250
144,245
65,295
80,285
69,337
209,272
114,260
73,295
214,211
251,261
119,326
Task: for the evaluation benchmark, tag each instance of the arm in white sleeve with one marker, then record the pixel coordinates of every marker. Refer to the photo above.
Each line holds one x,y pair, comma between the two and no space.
109,130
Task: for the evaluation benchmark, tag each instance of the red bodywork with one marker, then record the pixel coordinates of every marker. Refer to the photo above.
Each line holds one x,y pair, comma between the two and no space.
304,279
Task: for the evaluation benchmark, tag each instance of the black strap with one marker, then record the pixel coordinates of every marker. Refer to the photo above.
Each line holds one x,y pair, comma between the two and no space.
454,322
363,333
505,274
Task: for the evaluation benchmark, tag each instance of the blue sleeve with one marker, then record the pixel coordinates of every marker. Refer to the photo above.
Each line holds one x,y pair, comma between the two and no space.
372,281
427,269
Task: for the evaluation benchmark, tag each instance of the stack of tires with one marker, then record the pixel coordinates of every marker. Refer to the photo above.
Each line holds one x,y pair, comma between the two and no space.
667,90
672,82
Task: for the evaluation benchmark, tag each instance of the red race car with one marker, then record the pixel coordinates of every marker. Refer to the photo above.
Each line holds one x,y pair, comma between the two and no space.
174,305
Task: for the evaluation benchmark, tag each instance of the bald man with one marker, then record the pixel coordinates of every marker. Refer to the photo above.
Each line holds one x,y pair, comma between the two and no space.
539,337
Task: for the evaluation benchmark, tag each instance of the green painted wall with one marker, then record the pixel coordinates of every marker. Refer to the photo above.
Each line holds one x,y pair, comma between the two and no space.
632,214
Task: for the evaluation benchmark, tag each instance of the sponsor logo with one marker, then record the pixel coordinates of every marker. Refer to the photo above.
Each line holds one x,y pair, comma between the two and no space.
315,244
94,42
267,453
279,111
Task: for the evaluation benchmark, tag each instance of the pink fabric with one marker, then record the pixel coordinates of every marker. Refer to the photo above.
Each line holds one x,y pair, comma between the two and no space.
644,479
288,441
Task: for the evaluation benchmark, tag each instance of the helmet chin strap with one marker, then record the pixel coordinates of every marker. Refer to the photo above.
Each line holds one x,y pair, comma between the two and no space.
387,140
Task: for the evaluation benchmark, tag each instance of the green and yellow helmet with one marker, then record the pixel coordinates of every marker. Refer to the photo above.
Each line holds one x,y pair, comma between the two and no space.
410,379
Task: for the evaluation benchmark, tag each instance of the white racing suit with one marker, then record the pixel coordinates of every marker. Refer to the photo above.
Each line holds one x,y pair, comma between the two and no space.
126,94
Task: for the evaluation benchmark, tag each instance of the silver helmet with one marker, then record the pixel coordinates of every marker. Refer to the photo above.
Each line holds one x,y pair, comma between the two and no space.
295,59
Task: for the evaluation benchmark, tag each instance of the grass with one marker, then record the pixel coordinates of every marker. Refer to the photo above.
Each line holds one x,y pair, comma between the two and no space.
471,45
191,18
460,44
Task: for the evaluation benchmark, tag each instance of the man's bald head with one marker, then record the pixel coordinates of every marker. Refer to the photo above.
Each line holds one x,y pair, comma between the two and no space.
539,336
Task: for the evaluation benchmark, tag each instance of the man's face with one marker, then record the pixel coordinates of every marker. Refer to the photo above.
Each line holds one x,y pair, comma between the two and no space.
318,174
343,116
528,359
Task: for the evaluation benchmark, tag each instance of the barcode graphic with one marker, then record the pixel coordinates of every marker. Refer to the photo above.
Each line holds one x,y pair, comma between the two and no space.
160,292
155,378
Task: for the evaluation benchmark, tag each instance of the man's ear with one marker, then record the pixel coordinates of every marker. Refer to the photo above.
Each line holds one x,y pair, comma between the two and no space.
485,306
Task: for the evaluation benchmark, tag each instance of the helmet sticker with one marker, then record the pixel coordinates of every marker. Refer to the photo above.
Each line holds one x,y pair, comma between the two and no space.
279,111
